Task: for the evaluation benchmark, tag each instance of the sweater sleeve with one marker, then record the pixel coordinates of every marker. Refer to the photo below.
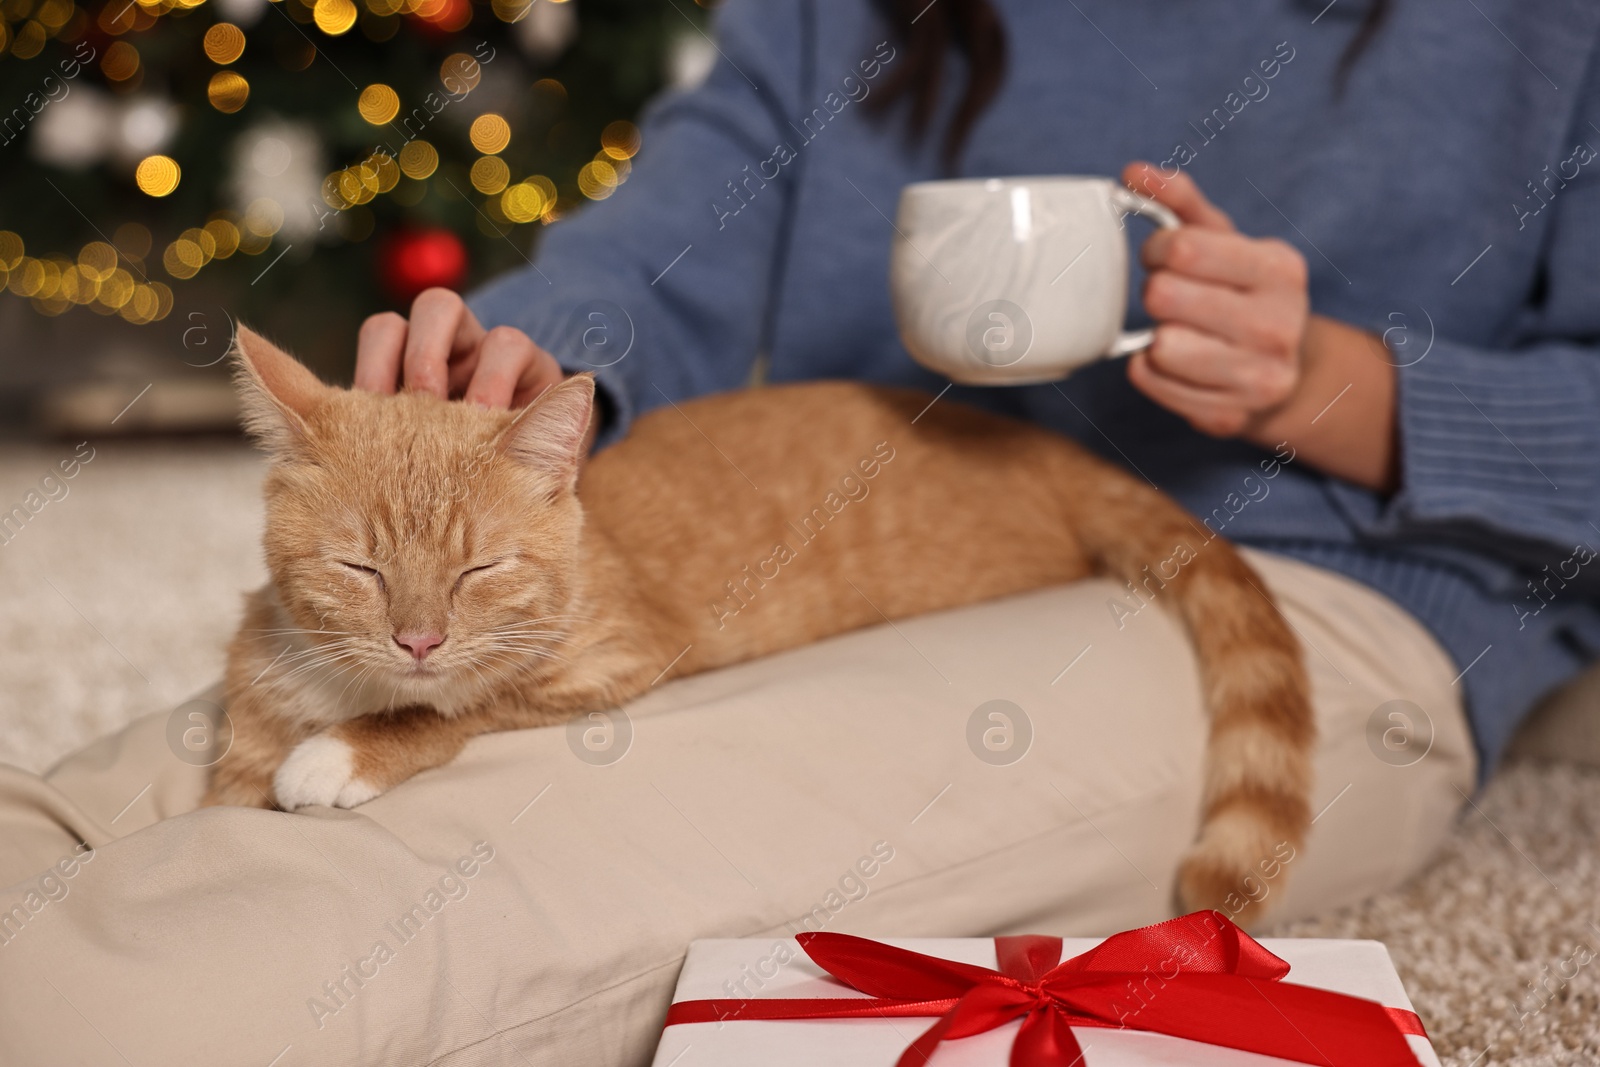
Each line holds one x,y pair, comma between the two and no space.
662,290
1500,446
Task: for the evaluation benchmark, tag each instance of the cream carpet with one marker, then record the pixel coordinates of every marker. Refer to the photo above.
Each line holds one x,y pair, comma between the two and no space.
117,598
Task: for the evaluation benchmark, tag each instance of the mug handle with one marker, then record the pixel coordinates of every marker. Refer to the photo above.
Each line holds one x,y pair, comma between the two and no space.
1131,203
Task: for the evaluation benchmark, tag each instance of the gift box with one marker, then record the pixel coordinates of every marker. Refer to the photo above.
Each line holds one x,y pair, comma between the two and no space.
1193,990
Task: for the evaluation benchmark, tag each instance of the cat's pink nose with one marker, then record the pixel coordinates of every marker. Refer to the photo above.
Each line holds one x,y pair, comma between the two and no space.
419,645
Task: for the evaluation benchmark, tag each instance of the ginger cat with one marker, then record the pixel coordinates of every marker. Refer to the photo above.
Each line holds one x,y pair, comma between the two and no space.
440,571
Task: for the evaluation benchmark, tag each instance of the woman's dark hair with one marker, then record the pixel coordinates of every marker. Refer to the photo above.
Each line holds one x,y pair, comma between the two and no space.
930,31
1377,14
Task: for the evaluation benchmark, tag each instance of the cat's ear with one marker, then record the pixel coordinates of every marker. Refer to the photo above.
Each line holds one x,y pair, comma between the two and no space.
548,435
276,393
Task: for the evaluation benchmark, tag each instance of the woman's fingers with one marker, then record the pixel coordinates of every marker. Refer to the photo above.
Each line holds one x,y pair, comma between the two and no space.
379,348
1215,309
1211,411
461,371
544,373
1272,324
1224,258
445,351
511,370
1178,192
442,331
1231,309
1187,355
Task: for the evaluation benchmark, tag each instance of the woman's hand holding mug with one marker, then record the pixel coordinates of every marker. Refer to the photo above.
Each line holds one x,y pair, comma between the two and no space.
1010,281
1231,313
1238,353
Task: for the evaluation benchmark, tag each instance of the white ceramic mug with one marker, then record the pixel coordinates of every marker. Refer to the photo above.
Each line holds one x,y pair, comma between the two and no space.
1007,281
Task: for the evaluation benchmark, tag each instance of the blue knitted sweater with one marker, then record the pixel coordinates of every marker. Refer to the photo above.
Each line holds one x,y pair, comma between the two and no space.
1448,197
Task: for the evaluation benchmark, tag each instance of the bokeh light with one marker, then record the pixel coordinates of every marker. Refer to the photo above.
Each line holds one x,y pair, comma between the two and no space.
386,170
224,43
597,180
11,250
490,174
334,17
120,62
343,189
447,15
27,277
224,236
183,259
263,217
96,261
511,10
620,140
115,290
157,175
141,306
117,19
29,41
523,202
419,159
378,104
460,73
490,134
53,14
228,91
78,287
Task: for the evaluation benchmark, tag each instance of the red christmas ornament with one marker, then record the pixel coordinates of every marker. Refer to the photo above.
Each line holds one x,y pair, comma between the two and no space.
414,260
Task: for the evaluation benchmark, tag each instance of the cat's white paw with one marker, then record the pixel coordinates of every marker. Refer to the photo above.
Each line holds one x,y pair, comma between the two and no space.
321,770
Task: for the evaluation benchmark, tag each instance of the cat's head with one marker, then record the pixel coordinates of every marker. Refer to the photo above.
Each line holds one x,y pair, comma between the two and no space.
420,547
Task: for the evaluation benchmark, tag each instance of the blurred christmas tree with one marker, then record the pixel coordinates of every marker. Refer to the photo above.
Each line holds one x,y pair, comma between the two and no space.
276,155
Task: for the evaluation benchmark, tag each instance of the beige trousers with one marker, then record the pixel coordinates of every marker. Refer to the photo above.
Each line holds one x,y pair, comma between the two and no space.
1025,765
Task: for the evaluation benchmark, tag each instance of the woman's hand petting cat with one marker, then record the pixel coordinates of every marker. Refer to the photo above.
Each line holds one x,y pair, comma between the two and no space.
1231,313
443,349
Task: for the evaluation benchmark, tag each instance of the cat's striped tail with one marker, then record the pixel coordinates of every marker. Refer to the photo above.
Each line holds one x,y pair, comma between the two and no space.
1257,783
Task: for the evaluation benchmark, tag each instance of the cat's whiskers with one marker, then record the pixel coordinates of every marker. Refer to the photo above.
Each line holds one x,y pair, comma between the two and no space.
487,684
321,646
355,678
545,640
326,649
285,659
553,636
335,652
338,662
565,617
525,648
291,631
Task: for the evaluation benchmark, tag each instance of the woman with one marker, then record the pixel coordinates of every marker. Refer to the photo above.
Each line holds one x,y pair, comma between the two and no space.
1384,263
1374,365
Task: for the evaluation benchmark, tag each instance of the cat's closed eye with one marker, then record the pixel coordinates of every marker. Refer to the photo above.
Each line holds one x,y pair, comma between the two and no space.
371,573
482,567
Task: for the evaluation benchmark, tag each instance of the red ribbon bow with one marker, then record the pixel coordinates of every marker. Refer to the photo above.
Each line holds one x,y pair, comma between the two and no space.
1198,977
